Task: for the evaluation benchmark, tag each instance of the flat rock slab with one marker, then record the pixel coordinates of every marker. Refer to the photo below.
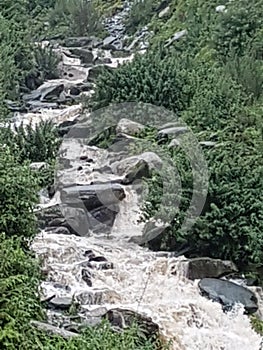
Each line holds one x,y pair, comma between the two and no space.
93,196
228,293
50,329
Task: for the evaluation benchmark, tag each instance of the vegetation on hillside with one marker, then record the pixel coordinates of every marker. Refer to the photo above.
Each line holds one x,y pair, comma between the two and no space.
211,78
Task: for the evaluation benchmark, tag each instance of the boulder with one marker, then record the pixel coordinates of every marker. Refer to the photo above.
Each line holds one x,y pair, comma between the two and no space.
46,92
93,196
206,267
61,303
129,127
123,318
108,43
82,41
95,71
140,163
228,294
86,56
53,330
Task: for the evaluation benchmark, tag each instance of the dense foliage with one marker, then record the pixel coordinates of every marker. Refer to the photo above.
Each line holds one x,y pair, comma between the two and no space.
215,86
212,78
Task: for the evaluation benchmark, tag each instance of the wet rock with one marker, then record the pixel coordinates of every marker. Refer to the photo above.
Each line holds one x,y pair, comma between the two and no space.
97,297
93,196
45,93
89,42
98,259
15,106
64,127
35,106
206,267
86,276
71,73
103,60
123,318
105,215
139,171
152,230
108,43
60,303
89,253
53,330
228,294
139,165
86,56
59,230
95,71
129,127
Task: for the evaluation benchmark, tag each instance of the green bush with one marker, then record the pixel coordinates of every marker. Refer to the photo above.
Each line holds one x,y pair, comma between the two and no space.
18,192
152,78
36,144
238,27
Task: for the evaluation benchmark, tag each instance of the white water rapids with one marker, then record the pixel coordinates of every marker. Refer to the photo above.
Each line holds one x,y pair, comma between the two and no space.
140,280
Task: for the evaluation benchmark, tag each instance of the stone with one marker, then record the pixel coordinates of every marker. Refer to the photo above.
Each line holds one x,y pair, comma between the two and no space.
206,267
86,276
86,56
93,196
140,163
129,127
53,330
228,294
108,43
95,71
90,42
123,318
46,92
61,303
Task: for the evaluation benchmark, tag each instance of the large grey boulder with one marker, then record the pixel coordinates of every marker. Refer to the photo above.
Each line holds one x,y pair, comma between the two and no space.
53,330
206,267
129,127
86,56
228,294
136,167
93,196
82,41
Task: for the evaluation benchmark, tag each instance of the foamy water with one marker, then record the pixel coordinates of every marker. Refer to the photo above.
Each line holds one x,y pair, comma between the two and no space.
140,280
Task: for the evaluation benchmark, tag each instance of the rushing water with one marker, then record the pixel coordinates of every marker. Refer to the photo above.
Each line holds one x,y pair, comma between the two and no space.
140,280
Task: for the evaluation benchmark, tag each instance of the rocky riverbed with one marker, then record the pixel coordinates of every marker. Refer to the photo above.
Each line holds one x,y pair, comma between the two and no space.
88,229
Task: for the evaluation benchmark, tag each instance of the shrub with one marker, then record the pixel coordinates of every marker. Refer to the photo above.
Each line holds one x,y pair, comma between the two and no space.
37,144
151,78
18,188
